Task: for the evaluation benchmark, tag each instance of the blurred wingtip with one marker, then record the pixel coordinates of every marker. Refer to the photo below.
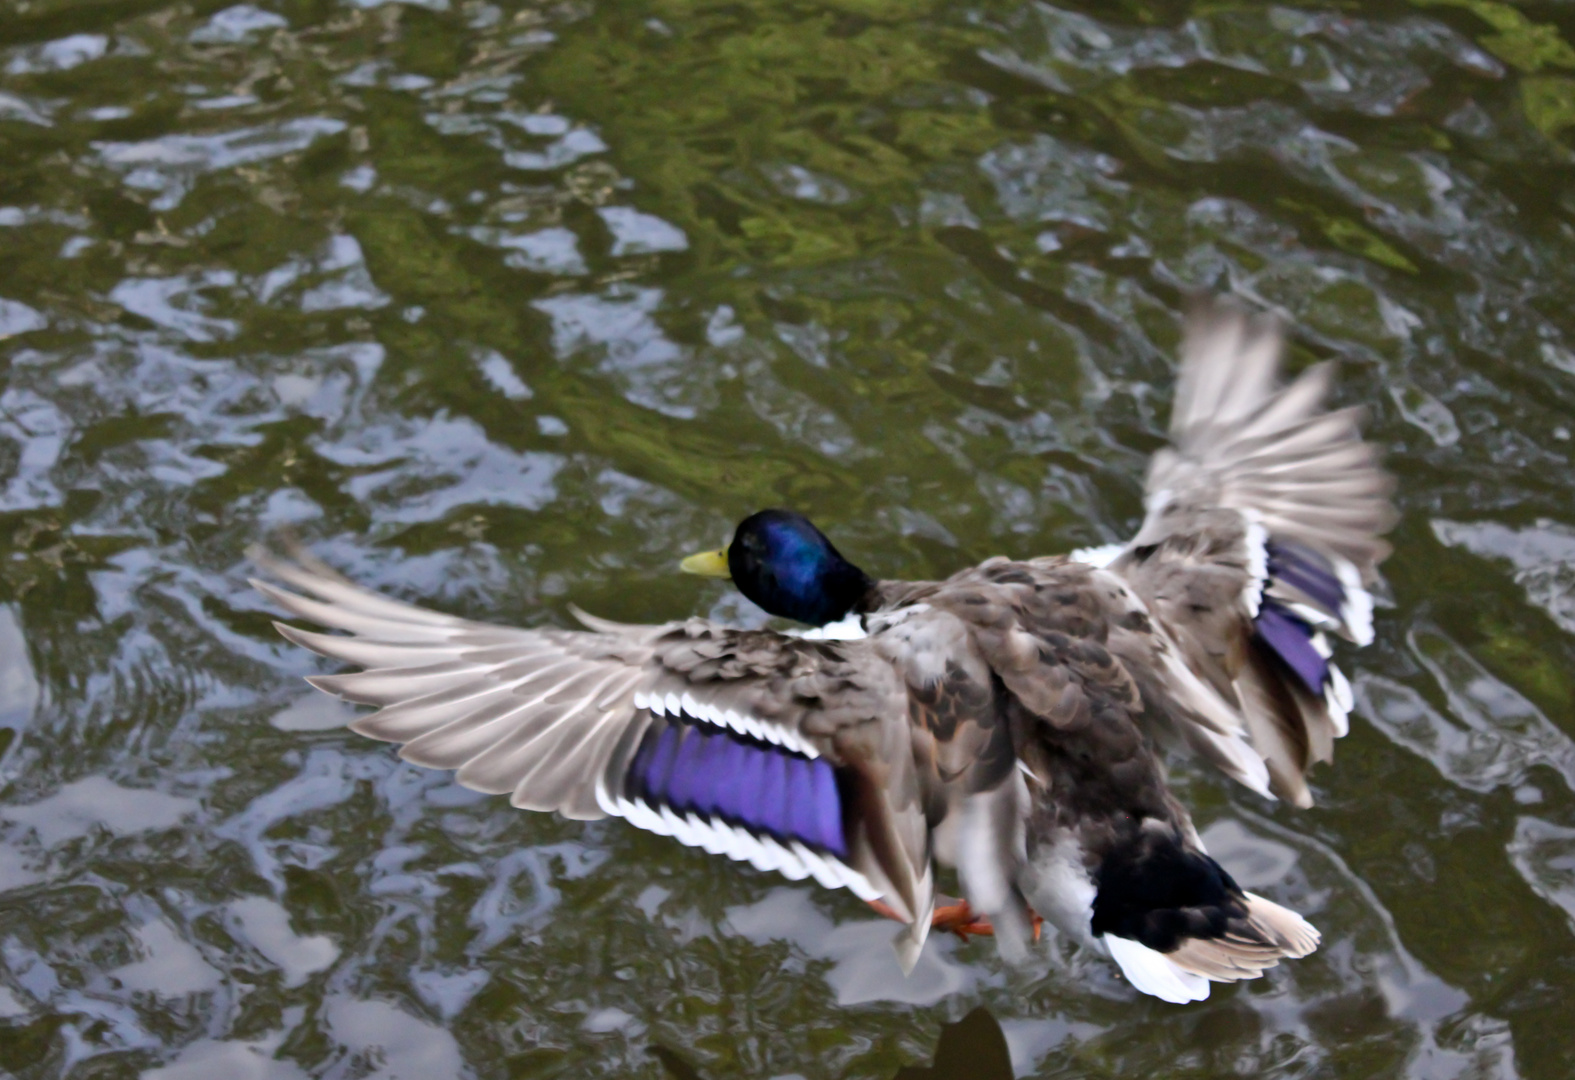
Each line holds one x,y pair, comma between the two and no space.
1205,307
283,547
909,943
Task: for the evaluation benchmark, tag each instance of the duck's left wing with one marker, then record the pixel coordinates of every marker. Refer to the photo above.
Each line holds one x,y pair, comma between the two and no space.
1263,530
792,755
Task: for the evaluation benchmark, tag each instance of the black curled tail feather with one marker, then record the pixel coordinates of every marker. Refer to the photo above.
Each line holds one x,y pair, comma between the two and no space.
1157,890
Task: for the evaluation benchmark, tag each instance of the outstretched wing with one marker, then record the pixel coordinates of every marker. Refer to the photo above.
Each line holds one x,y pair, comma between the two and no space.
788,754
1263,530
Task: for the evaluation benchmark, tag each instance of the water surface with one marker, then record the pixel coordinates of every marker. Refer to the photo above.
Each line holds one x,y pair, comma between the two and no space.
504,305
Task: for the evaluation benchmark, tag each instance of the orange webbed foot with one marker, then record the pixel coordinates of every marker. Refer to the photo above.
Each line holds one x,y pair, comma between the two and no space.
957,917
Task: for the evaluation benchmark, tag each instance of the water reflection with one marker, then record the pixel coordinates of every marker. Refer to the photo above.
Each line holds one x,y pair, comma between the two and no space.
98,802
1542,558
265,925
169,966
168,167
863,964
974,1048
1545,856
1490,735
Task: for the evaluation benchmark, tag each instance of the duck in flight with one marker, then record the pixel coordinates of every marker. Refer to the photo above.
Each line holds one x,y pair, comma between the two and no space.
1003,721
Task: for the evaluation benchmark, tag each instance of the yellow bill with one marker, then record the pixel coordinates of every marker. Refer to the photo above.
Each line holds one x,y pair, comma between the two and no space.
707,564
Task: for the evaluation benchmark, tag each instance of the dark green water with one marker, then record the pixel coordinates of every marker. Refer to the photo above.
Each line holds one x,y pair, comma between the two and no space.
504,305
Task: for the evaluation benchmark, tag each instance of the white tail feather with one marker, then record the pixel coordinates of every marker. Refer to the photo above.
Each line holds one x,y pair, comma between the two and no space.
1154,973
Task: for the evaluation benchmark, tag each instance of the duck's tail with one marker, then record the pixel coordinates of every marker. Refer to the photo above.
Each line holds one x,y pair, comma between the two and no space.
1175,921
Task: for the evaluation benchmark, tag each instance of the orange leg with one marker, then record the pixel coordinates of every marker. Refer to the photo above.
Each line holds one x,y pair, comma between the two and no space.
960,920
957,917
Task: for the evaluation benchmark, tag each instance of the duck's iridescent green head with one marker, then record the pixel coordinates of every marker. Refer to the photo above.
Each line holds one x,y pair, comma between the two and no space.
788,567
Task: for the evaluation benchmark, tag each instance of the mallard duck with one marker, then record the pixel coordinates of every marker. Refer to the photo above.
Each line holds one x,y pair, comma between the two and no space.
1003,721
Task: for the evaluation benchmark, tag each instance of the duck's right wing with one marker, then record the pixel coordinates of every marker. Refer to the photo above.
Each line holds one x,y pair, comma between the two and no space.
792,755
1262,534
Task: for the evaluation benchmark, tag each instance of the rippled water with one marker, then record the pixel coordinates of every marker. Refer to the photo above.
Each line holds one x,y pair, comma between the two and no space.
503,304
